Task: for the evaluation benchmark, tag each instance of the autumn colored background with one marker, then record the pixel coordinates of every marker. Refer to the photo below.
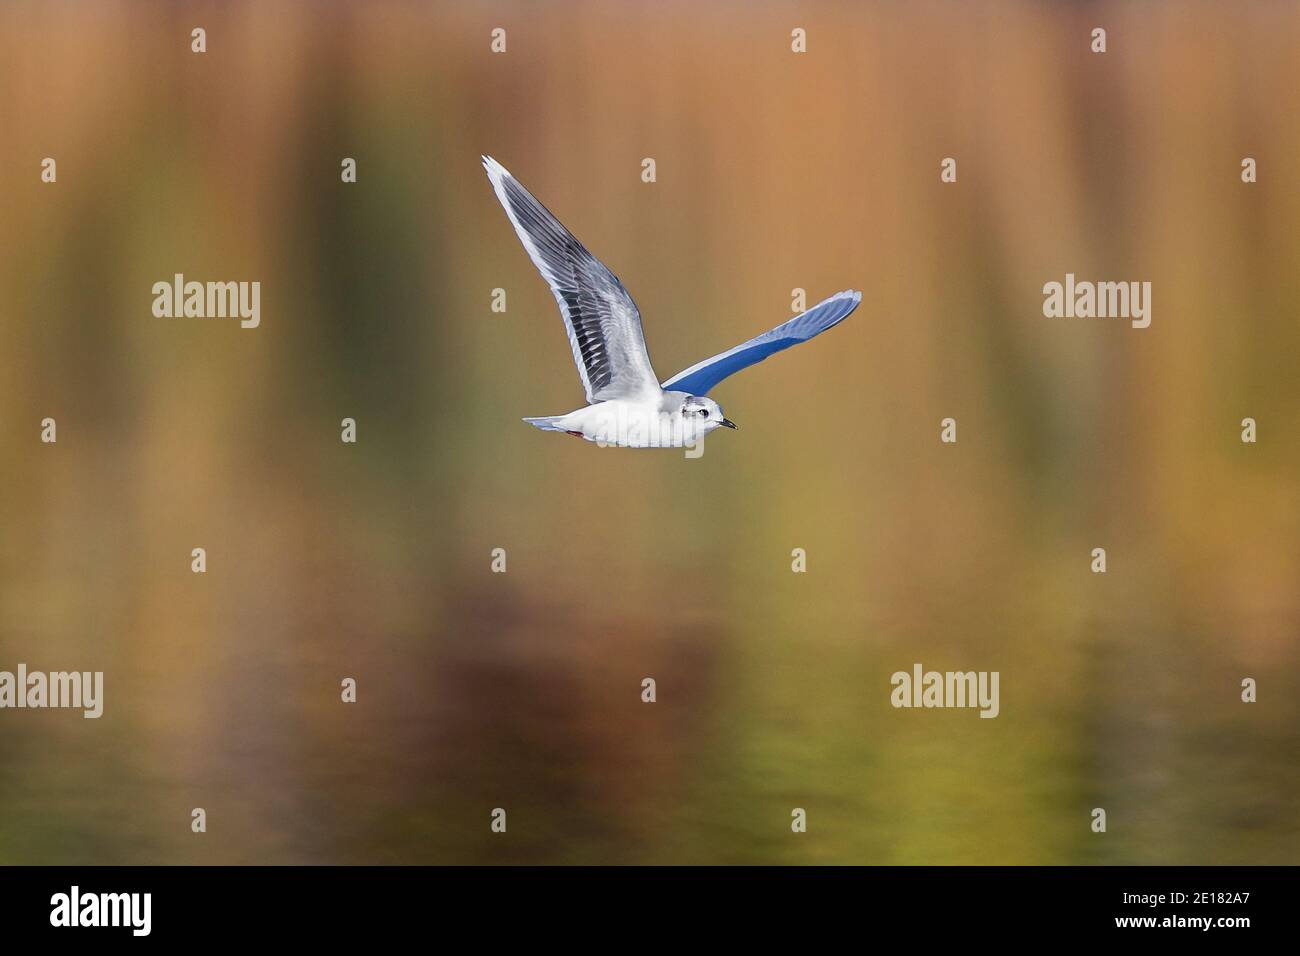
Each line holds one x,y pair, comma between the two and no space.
522,690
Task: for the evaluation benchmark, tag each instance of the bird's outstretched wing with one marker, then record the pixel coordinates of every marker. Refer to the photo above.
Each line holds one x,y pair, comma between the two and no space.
603,323
699,378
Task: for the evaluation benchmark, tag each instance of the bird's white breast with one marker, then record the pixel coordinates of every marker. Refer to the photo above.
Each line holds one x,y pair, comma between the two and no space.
629,424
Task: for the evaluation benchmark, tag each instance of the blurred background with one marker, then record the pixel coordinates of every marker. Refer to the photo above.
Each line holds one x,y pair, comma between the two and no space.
522,690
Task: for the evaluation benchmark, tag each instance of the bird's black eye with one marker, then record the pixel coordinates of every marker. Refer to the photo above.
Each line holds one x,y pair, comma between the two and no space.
704,413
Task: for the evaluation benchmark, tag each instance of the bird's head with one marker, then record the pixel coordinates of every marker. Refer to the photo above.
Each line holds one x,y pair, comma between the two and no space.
704,413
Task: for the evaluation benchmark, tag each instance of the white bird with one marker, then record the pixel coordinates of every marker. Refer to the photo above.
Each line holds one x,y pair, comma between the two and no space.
627,406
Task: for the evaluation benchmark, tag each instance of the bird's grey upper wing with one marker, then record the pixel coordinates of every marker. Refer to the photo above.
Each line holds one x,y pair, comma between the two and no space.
603,323
702,376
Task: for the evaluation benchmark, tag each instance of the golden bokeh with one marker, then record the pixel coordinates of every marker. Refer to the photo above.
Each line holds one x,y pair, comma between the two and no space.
521,690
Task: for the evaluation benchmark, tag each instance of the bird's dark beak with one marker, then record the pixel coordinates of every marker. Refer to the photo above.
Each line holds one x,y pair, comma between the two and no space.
729,423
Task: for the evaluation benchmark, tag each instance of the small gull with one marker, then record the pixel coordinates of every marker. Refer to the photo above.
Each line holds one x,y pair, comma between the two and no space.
627,405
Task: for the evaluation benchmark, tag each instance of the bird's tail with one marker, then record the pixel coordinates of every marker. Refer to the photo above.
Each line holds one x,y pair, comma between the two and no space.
551,424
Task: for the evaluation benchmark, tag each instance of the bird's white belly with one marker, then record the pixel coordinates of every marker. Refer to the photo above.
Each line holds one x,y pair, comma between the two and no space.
625,424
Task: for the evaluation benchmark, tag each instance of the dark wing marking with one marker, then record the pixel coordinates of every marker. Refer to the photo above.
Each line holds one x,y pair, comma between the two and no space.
603,323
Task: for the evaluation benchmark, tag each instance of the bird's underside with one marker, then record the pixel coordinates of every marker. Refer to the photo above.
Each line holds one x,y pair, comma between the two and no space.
632,424
627,405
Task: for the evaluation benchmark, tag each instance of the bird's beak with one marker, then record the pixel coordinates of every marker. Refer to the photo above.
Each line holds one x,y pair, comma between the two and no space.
729,423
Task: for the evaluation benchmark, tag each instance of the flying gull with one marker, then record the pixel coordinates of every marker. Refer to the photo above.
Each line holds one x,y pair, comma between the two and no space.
627,406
